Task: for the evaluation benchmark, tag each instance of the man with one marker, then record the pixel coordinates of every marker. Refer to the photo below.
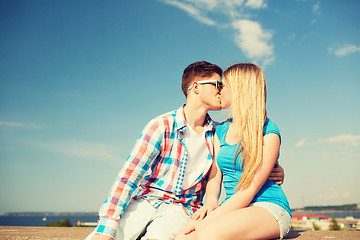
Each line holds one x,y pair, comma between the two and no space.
164,177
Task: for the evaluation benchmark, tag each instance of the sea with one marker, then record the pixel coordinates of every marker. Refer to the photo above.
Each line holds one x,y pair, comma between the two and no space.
336,214
41,220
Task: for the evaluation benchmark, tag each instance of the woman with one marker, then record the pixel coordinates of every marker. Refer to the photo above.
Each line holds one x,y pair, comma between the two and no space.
247,148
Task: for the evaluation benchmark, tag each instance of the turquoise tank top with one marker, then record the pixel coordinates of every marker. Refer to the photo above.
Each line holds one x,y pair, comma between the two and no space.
270,192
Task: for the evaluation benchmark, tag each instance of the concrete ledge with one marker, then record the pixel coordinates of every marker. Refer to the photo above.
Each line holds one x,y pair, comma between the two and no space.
310,235
74,233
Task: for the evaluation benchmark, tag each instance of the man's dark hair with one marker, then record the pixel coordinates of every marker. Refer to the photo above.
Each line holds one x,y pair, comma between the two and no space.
198,69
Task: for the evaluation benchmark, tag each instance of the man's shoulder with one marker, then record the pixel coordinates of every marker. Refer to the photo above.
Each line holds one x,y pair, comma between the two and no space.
171,114
165,116
164,120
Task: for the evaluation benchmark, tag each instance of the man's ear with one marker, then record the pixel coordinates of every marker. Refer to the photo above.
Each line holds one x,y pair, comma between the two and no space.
196,88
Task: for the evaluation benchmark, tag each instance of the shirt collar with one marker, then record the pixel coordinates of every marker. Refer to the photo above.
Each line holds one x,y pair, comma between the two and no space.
180,122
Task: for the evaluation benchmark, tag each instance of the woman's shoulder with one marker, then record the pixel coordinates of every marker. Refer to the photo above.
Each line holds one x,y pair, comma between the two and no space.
223,126
270,127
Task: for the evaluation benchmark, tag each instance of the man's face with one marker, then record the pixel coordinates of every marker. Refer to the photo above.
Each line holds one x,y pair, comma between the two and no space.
209,94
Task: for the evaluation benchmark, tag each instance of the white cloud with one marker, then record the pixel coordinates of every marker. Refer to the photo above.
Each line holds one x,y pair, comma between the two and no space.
316,8
254,41
192,10
345,138
292,36
249,36
21,125
345,50
213,5
300,143
207,4
255,4
82,150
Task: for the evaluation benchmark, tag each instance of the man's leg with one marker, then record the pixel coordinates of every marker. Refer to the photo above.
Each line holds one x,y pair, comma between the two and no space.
168,221
135,219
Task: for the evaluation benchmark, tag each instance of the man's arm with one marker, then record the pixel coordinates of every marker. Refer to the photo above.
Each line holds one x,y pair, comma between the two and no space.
146,149
277,175
101,237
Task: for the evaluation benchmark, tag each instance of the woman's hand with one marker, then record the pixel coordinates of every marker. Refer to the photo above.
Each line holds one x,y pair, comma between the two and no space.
198,216
189,228
205,210
187,231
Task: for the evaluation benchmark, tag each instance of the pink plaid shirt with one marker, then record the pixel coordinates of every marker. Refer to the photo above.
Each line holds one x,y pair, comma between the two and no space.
155,171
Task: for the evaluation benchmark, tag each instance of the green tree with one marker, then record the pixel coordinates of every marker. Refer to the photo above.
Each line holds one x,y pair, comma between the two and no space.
315,226
62,223
334,226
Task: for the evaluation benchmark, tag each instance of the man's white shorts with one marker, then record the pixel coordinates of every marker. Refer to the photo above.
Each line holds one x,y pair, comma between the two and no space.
140,217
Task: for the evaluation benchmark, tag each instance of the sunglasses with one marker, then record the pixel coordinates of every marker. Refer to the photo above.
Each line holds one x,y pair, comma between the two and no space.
219,85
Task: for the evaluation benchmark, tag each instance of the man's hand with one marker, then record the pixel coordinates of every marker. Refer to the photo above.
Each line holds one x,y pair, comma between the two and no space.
277,175
203,211
101,237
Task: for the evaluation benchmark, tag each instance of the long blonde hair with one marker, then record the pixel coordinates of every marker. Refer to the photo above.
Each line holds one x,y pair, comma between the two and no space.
248,91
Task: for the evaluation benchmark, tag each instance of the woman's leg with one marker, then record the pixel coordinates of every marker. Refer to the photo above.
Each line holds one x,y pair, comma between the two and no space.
246,223
182,236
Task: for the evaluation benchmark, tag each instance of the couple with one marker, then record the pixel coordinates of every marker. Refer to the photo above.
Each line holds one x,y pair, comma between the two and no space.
180,153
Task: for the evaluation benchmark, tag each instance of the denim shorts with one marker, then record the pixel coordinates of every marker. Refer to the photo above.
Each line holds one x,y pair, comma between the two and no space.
280,214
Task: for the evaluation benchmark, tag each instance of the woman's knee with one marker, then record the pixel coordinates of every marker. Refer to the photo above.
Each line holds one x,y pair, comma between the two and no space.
207,233
180,237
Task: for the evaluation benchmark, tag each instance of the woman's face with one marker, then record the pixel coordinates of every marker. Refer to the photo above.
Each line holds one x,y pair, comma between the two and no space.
225,95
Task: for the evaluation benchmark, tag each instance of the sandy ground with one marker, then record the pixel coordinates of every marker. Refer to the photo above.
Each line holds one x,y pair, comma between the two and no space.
73,233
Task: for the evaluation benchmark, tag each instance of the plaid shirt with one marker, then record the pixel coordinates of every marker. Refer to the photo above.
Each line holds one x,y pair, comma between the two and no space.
155,171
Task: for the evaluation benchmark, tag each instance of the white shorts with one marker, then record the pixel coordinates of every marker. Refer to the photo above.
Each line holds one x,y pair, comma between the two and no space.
162,223
281,215
142,219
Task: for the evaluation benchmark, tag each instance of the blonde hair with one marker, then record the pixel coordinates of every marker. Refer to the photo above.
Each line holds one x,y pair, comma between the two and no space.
248,91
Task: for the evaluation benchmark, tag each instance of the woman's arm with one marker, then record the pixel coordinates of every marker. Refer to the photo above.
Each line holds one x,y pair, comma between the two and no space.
242,198
213,185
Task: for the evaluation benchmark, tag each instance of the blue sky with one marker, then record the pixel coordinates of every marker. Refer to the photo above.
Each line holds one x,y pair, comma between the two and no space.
80,79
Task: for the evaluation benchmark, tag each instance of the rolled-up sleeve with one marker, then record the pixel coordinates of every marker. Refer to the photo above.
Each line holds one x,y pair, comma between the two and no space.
145,151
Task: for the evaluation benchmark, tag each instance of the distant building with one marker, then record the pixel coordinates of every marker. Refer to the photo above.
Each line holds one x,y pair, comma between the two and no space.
348,222
322,222
307,216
